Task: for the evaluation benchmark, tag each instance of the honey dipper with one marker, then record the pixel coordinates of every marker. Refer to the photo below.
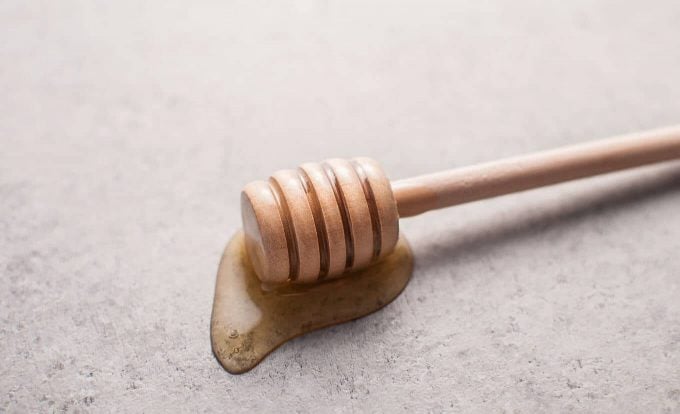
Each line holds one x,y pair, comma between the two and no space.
325,219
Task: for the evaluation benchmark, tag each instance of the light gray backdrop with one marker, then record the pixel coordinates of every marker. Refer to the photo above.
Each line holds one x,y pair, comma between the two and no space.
128,128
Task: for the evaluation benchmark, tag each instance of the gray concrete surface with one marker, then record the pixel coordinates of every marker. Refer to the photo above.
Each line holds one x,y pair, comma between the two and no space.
127,129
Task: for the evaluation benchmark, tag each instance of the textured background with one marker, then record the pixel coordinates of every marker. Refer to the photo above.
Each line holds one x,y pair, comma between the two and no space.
128,128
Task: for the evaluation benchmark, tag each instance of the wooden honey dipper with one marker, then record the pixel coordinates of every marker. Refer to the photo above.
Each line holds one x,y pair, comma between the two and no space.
325,219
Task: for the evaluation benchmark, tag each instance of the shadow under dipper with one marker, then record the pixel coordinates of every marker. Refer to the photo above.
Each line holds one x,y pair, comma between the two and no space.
532,218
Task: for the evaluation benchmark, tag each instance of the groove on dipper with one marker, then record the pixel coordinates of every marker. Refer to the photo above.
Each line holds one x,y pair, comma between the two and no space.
372,208
317,214
344,214
288,229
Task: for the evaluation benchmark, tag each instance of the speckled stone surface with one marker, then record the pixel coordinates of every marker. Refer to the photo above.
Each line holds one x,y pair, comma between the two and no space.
128,128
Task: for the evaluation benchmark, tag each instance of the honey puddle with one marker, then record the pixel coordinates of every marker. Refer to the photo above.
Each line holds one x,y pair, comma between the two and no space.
249,322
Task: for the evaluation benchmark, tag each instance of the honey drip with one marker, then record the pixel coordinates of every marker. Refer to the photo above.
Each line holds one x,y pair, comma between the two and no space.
248,321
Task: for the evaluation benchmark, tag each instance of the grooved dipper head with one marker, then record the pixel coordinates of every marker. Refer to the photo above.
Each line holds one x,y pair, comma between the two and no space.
319,221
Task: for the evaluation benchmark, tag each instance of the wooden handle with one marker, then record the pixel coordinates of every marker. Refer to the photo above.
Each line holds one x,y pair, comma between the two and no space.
429,192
